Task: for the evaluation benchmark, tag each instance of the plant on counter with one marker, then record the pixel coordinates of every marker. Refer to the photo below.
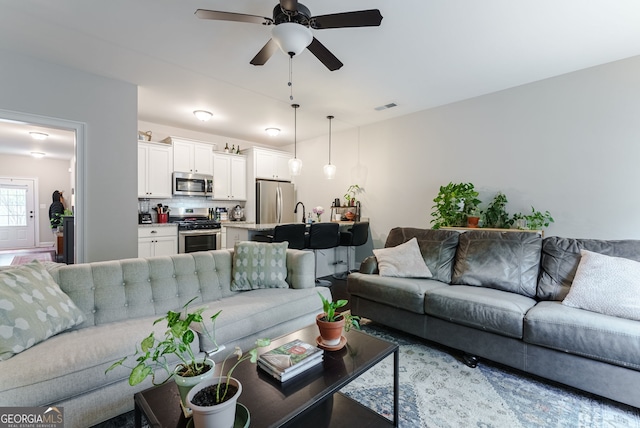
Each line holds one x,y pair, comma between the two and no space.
350,196
496,216
318,212
453,204
534,221
177,341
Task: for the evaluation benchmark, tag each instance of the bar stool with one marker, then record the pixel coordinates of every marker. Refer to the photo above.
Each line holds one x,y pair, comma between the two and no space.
355,236
292,233
323,236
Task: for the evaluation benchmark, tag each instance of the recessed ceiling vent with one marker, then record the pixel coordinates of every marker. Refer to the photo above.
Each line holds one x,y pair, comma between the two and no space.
386,106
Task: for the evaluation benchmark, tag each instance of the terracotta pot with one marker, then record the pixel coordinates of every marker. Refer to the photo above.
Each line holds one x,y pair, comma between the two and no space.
186,383
472,221
219,415
330,332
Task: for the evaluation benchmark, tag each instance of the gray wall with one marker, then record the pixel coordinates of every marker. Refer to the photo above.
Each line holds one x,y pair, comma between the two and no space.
109,110
568,144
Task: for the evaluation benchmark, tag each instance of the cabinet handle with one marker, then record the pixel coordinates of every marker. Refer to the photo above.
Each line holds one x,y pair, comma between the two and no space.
154,231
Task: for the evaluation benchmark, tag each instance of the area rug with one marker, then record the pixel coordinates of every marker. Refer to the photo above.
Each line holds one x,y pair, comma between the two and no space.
28,258
438,390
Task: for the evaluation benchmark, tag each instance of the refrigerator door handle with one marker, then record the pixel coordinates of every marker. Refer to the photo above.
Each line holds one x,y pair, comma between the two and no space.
278,205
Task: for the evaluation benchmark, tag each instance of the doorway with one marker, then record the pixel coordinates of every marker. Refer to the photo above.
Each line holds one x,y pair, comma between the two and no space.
17,213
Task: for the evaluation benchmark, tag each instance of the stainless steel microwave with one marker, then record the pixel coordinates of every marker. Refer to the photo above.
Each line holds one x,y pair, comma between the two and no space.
187,184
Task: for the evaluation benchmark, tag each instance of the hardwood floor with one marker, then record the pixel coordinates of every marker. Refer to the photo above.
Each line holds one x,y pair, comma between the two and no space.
339,290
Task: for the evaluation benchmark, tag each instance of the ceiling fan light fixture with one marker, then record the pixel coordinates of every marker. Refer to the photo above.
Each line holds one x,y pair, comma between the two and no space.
203,115
38,135
292,38
272,132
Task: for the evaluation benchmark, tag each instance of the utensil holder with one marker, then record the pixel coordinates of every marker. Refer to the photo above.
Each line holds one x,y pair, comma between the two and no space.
163,218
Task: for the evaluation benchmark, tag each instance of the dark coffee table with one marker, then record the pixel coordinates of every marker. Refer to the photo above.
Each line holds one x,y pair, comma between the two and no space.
309,398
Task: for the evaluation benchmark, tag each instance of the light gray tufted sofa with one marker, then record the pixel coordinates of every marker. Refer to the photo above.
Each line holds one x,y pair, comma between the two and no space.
498,295
120,300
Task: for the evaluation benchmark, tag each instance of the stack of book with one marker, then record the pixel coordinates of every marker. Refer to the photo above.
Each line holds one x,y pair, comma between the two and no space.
290,359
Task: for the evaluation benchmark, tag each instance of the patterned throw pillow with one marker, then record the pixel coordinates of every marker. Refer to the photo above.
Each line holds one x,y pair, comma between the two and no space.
605,284
259,265
404,260
32,308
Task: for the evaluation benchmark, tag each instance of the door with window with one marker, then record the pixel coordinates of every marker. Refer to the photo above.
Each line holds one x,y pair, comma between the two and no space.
17,218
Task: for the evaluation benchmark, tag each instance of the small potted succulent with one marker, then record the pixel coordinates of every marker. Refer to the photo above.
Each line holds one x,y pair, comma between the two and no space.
153,352
331,323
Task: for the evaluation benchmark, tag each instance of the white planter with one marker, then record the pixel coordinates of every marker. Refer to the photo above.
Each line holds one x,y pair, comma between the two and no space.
186,383
217,416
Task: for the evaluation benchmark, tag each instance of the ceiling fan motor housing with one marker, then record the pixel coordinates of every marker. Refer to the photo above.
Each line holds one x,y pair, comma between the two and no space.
300,16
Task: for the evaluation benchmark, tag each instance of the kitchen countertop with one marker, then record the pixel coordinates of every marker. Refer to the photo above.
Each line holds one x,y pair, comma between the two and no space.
158,225
269,226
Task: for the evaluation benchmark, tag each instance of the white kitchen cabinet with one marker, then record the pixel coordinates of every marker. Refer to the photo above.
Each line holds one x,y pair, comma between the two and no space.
229,177
193,157
272,165
157,241
155,164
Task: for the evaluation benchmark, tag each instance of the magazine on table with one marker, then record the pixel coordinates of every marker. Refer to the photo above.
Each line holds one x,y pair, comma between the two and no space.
285,376
286,357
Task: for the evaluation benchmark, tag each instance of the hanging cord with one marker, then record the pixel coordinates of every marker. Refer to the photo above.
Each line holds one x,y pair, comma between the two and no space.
290,83
329,117
295,130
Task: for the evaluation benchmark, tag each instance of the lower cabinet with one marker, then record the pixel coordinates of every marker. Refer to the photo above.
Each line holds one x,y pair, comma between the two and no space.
157,241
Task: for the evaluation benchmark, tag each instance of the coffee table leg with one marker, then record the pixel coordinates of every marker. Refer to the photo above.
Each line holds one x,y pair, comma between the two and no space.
396,387
137,416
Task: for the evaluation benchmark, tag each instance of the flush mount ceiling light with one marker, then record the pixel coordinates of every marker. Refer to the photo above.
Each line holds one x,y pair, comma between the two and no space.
203,115
329,170
295,164
38,135
37,154
272,131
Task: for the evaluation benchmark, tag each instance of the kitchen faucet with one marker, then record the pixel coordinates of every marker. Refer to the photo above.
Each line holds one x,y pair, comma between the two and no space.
295,211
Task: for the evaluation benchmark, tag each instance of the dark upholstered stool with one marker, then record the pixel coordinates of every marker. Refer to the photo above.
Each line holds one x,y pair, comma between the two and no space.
292,233
323,236
356,235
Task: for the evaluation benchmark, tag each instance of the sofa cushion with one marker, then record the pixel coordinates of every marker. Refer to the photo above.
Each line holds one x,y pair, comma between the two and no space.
576,331
486,309
560,258
403,261
507,261
607,285
438,248
259,265
403,293
32,308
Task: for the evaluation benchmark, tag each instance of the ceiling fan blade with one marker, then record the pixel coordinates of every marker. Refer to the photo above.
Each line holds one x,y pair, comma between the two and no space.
231,16
361,18
265,53
291,5
324,55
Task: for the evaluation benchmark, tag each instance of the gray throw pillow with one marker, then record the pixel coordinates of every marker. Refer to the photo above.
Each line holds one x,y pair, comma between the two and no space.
32,308
259,265
404,261
607,285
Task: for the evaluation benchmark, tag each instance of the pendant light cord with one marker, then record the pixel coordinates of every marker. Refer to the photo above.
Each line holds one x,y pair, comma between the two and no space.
295,130
329,117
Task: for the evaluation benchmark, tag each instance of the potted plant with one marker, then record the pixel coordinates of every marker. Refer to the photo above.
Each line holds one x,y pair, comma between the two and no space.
473,218
213,402
153,352
496,216
331,323
534,221
453,204
350,196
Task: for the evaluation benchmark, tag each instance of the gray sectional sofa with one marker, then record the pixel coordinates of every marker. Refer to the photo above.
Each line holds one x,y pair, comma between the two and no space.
120,300
498,295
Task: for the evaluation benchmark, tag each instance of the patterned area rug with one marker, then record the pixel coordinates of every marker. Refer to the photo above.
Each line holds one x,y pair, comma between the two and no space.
21,260
438,390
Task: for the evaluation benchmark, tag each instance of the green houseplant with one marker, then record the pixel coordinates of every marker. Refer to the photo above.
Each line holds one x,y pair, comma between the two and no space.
534,221
495,215
453,204
331,323
350,196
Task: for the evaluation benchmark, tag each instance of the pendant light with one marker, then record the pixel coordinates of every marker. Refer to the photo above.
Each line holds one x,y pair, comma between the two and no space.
329,170
295,164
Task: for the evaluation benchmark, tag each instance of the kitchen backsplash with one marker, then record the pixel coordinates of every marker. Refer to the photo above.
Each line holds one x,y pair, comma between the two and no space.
190,202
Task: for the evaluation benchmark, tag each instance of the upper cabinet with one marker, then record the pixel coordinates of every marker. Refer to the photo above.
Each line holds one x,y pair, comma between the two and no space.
155,165
271,164
229,177
192,156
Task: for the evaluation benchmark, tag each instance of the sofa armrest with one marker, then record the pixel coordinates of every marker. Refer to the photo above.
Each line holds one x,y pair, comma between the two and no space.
300,269
369,265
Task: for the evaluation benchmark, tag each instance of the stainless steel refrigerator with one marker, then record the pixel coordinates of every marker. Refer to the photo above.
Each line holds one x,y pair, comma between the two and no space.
275,202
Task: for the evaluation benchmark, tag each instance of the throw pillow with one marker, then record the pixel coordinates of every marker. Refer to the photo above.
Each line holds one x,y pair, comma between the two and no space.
607,285
404,260
32,308
259,265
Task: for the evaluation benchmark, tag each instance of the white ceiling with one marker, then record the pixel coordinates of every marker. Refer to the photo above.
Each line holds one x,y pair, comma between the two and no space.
426,53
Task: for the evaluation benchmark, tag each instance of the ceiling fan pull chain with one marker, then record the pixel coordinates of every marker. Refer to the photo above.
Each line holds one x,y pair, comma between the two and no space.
290,77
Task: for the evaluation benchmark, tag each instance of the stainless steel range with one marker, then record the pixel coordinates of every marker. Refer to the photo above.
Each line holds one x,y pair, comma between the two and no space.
196,231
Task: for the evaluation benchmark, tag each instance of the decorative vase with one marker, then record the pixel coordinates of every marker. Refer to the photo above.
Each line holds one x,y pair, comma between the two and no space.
330,332
185,383
218,415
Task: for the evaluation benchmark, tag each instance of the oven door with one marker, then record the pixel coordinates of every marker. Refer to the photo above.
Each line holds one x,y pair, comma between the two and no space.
190,241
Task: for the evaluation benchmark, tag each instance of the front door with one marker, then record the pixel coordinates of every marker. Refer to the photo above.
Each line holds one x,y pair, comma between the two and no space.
17,218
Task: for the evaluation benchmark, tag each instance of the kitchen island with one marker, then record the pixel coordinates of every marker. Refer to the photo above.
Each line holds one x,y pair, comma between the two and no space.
328,260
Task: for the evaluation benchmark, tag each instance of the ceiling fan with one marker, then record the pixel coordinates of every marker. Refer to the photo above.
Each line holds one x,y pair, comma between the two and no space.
292,29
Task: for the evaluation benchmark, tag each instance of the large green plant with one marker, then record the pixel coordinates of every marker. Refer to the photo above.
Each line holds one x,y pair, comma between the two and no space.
496,216
453,204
